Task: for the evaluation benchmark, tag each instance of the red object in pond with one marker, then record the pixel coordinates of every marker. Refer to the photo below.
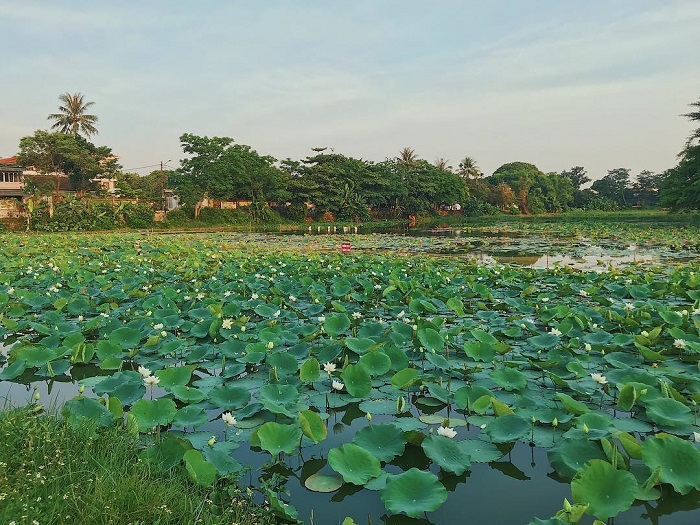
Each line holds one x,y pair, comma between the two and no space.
345,247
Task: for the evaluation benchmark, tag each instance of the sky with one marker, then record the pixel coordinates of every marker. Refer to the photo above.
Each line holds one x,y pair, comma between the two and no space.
595,83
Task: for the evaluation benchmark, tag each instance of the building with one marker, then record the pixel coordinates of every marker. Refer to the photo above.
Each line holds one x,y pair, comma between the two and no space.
11,179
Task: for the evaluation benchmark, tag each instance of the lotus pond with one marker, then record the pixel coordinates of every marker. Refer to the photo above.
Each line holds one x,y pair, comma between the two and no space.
379,387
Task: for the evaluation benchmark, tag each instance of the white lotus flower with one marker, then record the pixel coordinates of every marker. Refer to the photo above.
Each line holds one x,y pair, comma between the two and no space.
226,324
200,296
588,347
227,293
292,299
10,291
583,293
679,343
356,315
151,381
400,314
254,296
599,378
554,331
158,326
447,432
145,372
337,385
321,318
696,437
329,367
228,419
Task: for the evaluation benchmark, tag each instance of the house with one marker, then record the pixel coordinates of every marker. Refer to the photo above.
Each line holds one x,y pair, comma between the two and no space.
11,178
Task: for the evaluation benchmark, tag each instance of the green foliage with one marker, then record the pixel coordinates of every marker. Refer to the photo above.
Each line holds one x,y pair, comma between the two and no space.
54,473
84,214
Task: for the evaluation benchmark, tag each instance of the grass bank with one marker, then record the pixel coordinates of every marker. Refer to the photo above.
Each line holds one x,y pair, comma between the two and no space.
53,473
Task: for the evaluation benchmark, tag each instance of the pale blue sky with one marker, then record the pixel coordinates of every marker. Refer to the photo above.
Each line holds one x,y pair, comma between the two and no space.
597,83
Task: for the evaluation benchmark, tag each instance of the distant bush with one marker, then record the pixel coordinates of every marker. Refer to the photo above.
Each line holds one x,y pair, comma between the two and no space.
86,215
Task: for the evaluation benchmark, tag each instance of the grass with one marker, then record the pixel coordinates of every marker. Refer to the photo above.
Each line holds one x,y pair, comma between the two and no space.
53,473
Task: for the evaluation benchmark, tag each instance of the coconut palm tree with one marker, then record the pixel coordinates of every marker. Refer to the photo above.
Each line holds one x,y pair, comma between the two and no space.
468,168
441,164
408,155
73,117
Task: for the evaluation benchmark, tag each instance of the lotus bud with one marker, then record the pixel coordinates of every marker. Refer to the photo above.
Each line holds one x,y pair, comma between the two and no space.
368,416
585,428
211,441
400,404
81,389
555,422
37,396
270,345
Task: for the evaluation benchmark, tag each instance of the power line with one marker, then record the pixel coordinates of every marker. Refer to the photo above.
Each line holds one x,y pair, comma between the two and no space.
143,167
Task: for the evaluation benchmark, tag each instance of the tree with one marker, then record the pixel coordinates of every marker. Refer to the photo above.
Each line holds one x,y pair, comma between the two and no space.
222,170
468,168
646,188
72,155
577,176
519,176
614,186
681,188
408,155
73,117
441,164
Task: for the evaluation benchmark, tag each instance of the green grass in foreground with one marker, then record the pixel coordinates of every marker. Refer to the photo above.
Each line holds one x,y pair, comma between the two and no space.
52,473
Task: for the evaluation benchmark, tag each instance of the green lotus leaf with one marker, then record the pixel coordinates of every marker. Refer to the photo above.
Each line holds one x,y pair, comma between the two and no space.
323,482
310,370
14,370
569,455
480,451
678,459
446,453
572,405
354,463
606,490
175,376
377,363
357,380
153,413
188,394
283,363
35,355
438,360
509,378
78,410
166,454
280,399
466,395
383,441
125,337
484,337
229,397
404,378
598,338
543,341
276,437
480,351
627,397
266,311
431,339
219,455
336,324
200,471
190,416
668,412
312,426
127,386
287,512
359,345
507,429
413,492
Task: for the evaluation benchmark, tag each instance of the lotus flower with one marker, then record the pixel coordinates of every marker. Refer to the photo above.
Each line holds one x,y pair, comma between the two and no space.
151,381
227,324
337,385
448,432
228,419
599,378
329,368
145,372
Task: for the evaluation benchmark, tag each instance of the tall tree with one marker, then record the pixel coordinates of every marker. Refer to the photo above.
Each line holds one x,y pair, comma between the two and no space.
73,117
72,155
408,155
520,176
681,188
441,164
614,186
577,176
468,168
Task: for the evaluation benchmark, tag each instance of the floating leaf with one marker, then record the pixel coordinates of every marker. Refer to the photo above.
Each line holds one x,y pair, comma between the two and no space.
276,437
354,463
383,441
413,492
508,428
153,413
199,469
357,380
606,490
678,459
323,482
446,453
312,426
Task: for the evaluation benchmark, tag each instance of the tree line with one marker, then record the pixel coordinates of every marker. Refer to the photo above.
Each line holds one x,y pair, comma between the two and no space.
328,183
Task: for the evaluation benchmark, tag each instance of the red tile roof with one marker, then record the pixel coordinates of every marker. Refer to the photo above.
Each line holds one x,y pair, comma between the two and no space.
9,160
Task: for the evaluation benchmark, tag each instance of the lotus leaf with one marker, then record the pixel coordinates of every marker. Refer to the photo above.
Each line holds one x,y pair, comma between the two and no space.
606,490
354,463
413,492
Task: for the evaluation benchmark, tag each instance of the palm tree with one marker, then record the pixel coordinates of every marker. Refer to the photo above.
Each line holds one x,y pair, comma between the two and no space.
441,164
468,168
72,117
694,116
408,156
